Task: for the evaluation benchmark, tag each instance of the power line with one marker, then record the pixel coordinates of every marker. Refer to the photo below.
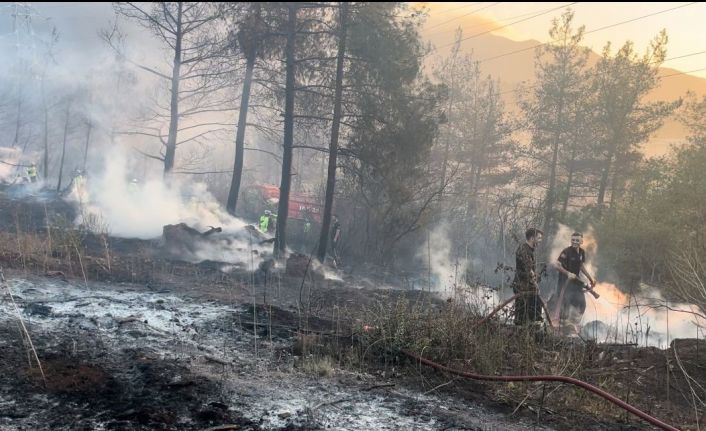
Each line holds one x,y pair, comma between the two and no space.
638,65
461,16
481,25
683,73
588,32
457,8
641,17
509,24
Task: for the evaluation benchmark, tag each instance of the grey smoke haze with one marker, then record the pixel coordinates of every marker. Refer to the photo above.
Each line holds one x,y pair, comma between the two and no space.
78,25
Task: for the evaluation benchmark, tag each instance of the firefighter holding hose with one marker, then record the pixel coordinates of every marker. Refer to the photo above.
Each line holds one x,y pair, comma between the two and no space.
568,301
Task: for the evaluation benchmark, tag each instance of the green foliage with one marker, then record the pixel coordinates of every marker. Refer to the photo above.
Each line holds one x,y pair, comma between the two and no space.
392,120
661,214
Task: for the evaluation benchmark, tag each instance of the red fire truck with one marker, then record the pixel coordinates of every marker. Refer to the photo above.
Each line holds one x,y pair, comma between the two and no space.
261,197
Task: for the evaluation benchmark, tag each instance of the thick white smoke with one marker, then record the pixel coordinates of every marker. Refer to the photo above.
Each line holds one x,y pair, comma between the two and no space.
109,201
143,209
447,272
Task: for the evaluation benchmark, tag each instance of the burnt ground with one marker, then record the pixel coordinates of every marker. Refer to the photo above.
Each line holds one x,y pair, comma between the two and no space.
123,357
130,340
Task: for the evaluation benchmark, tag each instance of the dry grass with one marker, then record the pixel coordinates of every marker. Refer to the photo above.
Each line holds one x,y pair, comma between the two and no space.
447,334
322,366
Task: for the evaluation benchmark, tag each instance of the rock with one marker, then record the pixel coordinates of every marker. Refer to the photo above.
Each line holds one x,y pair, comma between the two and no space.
284,415
35,309
595,330
299,265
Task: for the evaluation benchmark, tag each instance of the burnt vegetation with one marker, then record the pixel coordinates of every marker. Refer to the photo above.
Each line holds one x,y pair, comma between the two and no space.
144,286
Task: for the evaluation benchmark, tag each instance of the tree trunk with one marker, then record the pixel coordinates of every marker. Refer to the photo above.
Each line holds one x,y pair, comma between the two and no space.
604,180
569,182
89,127
286,179
616,184
46,133
335,127
448,135
18,124
240,135
174,106
63,148
549,205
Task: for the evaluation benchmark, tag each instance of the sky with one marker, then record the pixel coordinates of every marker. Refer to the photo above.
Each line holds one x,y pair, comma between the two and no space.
492,29
79,23
683,21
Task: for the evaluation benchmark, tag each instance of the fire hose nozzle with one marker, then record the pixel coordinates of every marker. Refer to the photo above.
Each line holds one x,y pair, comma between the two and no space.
590,290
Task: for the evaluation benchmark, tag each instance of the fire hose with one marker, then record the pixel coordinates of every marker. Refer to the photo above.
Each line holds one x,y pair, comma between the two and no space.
507,301
546,378
544,307
549,378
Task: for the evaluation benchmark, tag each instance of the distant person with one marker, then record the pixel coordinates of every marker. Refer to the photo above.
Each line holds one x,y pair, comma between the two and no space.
79,180
133,186
265,221
32,173
335,240
569,289
273,223
77,186
528,306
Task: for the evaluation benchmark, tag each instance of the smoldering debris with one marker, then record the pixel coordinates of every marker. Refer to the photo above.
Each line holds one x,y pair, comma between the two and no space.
243,248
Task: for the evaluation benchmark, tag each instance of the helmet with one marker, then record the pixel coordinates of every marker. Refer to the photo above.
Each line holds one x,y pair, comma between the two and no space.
134,181
268,212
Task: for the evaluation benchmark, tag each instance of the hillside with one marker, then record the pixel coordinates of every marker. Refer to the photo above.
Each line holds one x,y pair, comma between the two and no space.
518,67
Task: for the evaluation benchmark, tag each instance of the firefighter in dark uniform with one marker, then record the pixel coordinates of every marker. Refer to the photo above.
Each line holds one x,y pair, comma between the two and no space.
528,306
336,241
570,265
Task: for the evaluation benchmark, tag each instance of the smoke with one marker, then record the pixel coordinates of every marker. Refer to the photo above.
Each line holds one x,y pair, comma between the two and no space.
110,203
11,157
141,211
644,317
13,170
445,271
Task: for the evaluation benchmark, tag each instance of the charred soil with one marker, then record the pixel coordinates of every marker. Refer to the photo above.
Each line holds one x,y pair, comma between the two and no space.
131,339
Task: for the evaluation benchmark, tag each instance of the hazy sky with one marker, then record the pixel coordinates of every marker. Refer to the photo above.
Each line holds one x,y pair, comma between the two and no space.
80,50
685,24
78,24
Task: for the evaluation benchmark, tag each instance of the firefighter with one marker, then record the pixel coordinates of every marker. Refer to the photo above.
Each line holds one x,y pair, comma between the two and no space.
335,240
32,173
570,264
133,186
265,221
272,227
528,306
78,180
